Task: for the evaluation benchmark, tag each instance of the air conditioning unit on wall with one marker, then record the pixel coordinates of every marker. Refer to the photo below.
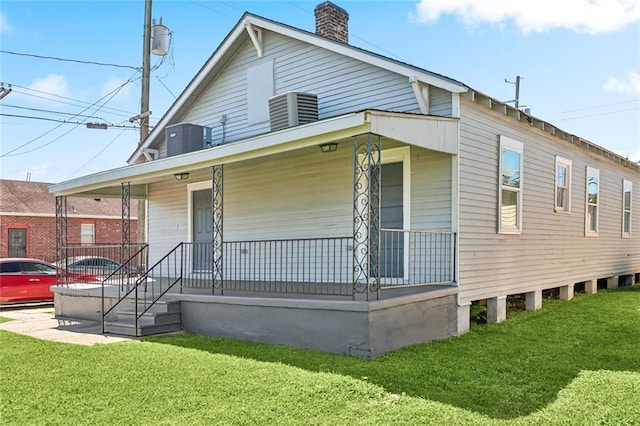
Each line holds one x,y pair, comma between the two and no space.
184,137
292,109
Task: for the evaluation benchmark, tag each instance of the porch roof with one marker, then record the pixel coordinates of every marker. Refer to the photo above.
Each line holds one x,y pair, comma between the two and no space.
431,132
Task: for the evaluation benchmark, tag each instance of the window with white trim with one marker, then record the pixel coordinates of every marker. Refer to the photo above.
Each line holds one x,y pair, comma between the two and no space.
563,185
627,187
510,194
592,200
87,233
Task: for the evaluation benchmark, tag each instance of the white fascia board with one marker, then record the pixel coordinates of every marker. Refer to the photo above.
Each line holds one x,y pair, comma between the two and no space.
350,51
315,133
435,133
202,75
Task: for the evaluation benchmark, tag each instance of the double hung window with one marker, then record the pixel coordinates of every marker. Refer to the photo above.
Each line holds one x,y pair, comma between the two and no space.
510,193
563,185
627,187
592,199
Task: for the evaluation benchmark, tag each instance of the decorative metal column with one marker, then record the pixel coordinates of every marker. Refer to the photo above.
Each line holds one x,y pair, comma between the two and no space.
125,222
217,173
125,195
366,214
61,232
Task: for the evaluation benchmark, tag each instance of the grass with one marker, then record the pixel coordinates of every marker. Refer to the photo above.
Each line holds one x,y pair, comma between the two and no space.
572,362
5,319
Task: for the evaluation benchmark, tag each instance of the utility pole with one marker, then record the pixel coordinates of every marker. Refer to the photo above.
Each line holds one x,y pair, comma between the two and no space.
517,83
144,108
160,39
146,71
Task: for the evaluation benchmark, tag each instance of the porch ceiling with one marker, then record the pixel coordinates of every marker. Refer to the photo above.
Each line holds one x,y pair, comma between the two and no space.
431,132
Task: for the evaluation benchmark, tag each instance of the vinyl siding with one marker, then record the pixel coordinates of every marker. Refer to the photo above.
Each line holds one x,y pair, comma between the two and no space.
552,249
342,84
301,194
440,102
430,190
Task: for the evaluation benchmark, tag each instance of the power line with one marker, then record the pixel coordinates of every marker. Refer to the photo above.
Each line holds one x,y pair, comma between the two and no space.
97,154
52,111
111,95
599,106
70,60
52,97
601,113
31,117
351,34
165,86
213,10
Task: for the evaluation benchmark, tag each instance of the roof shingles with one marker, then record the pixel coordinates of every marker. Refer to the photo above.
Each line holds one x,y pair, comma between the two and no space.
34,198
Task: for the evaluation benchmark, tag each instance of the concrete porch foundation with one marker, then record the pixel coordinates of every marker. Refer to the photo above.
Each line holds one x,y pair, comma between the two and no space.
591,286
612,282
359,328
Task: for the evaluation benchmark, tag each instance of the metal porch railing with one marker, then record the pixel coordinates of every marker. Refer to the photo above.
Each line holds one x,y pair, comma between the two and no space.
308,266
412,258
116,263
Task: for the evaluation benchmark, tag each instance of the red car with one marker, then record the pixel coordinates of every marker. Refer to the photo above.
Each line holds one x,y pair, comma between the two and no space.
23,280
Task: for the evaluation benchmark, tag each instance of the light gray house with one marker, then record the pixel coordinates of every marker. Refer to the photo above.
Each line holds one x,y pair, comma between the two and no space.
307,192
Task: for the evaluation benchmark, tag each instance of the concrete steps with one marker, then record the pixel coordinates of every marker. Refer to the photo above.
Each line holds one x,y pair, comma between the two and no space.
162,318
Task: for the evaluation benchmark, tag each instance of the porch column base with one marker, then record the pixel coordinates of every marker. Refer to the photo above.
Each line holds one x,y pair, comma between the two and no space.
591,286
533,300
566,292
464,317
612,282
496,309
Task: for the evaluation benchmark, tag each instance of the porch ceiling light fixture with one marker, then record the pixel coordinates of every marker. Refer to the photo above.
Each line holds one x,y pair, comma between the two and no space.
329,147
182,176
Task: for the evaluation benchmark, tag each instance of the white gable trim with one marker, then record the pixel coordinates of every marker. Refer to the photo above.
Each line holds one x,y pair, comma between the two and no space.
251,25
350,51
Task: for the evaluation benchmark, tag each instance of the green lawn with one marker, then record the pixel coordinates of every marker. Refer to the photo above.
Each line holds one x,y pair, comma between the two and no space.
574,362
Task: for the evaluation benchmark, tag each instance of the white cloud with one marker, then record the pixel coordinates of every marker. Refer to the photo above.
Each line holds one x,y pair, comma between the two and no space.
5,26
111,86
51,86
631,85
583,16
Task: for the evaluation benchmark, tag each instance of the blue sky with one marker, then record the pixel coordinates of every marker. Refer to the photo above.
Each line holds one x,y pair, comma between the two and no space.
579,61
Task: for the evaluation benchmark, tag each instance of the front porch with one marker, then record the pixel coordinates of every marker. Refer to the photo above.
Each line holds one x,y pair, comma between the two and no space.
291,245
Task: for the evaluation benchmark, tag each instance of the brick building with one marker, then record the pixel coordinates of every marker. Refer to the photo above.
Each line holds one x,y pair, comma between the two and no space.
28,222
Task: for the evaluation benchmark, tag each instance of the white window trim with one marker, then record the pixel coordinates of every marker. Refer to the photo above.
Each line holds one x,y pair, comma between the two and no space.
591,172
191,188
567,164
401,155
511,145
626,182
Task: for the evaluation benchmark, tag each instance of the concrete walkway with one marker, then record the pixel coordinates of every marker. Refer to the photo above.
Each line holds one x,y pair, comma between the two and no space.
41,324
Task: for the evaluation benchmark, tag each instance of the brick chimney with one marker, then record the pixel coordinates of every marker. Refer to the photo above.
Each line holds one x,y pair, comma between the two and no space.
332,22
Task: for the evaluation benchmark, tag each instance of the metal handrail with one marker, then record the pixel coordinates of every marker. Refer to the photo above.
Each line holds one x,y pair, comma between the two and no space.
116,272
142,278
